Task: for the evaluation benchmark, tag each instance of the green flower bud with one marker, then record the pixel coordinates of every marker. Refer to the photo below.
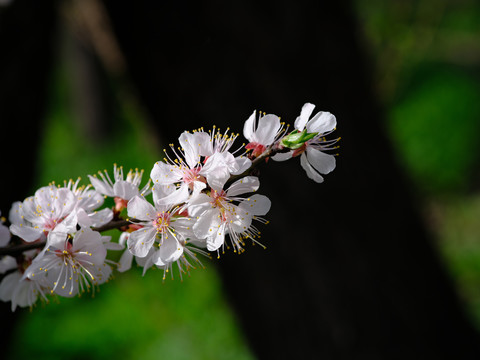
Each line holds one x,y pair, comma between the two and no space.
296,139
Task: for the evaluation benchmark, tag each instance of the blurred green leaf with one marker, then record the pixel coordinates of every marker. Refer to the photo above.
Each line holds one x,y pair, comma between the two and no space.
435,129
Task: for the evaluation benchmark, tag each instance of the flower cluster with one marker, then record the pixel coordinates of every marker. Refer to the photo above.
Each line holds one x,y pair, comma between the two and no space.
201,198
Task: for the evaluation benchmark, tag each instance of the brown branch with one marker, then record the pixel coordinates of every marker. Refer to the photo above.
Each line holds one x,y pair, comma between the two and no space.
14,250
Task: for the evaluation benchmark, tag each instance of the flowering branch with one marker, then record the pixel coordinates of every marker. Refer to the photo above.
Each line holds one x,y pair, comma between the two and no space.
201,202
18,249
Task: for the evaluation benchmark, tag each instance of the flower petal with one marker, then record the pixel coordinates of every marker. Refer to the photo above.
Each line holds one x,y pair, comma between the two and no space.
141,209
199,204
311,172
216,239
165,174
267,129
29,211
322,122
190,148
323,163
8,285
101,186
242,164
69,224
216,171
99,218
249,127
26,233
198,186
244,185
204,143
4,235
170,250
15,214
301,121
89,200
207,224
256,205
282,156
64,202
178,196
140,241
82,218
125,262
124,189
242,221
89,241
7,262
24,294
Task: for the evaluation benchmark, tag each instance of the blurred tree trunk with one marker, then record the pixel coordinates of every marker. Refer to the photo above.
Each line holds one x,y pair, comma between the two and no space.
27,31
350,272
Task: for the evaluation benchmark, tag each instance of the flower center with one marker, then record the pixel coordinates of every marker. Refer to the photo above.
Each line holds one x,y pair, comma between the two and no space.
50,224
66,252
220,202
257,148
218,198
191,175
162,222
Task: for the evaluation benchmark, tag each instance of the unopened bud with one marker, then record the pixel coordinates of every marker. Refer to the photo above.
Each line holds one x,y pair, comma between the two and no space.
296,139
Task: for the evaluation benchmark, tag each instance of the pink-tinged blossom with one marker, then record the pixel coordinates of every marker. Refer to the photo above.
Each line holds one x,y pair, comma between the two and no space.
190,170
164,226
121,188
87,203
216,142
312,157
163,238
60,209
72,264
37,215
260,136
219,213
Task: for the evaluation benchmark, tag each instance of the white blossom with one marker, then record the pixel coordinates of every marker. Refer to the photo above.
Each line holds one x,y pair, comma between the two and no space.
162,240
269,129
72,264
189,172
37,215
312,157
163,224
121,188
215,142
219,213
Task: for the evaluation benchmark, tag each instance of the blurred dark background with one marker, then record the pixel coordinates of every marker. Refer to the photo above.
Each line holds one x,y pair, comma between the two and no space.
382,261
